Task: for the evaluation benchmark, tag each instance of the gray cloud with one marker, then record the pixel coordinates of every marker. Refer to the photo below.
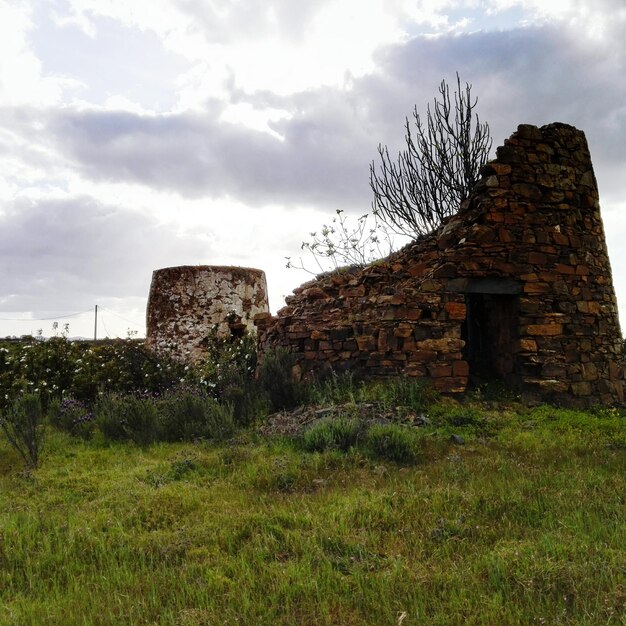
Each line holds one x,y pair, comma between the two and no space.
534,75
317,162
68,254
527,75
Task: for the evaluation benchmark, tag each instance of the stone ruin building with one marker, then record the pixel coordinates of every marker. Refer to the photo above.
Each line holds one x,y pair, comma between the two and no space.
516,286
186,302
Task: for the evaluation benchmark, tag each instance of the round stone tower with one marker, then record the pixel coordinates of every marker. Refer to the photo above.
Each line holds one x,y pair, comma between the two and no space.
186,302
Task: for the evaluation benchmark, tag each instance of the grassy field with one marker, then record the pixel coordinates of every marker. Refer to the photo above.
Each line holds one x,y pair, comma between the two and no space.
523,523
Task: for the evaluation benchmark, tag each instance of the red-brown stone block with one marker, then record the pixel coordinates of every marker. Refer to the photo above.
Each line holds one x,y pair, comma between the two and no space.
456,310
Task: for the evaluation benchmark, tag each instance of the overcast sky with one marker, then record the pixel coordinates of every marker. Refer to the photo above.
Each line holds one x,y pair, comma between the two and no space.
139,134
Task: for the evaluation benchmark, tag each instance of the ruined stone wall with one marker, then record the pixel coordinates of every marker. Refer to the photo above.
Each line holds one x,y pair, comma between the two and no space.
186,302
518,283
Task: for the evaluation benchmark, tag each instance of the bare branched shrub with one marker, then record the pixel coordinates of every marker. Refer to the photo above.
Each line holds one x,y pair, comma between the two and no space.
438,168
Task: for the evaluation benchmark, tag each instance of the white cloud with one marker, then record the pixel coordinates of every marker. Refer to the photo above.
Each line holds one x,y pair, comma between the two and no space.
262,45
21,80
595,19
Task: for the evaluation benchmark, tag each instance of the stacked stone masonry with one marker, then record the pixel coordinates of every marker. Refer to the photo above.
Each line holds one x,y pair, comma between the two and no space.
516,286
186,303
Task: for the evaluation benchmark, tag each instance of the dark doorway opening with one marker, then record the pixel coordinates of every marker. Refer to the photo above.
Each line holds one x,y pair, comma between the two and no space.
490,334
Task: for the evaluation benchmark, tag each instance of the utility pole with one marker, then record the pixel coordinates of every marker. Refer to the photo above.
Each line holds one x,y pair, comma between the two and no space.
95,324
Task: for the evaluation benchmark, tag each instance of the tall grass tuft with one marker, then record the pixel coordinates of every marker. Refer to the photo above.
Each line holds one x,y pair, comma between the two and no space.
332,434
391,442
248,400
336,388
410,393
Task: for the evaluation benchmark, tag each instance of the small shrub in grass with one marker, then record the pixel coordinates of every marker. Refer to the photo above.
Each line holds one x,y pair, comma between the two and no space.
277,380
182,415
182,467
127,417
72,416
248,401
228,375
23,424
393,443
185,414
219,419
108,417
139,417
329,434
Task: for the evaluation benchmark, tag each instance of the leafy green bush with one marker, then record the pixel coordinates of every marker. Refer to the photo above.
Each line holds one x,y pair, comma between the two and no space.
37,366
122,366
393,443
228,375
328,434
23,424
58,368
219,420
277,380
181,415
229,361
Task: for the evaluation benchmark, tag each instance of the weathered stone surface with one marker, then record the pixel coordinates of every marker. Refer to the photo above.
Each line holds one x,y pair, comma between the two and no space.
550,387
314,293
460,369
523,264
456,310
186,301
527,345
446,344
543,329
581,389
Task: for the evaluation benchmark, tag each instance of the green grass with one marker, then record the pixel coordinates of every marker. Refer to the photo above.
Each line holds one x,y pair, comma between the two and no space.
524,524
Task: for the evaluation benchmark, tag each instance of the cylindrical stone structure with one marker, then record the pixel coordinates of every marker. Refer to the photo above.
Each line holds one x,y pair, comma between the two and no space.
187,302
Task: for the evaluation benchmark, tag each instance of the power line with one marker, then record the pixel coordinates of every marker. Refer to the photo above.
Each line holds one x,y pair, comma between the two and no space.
42,319
106,330
101,308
